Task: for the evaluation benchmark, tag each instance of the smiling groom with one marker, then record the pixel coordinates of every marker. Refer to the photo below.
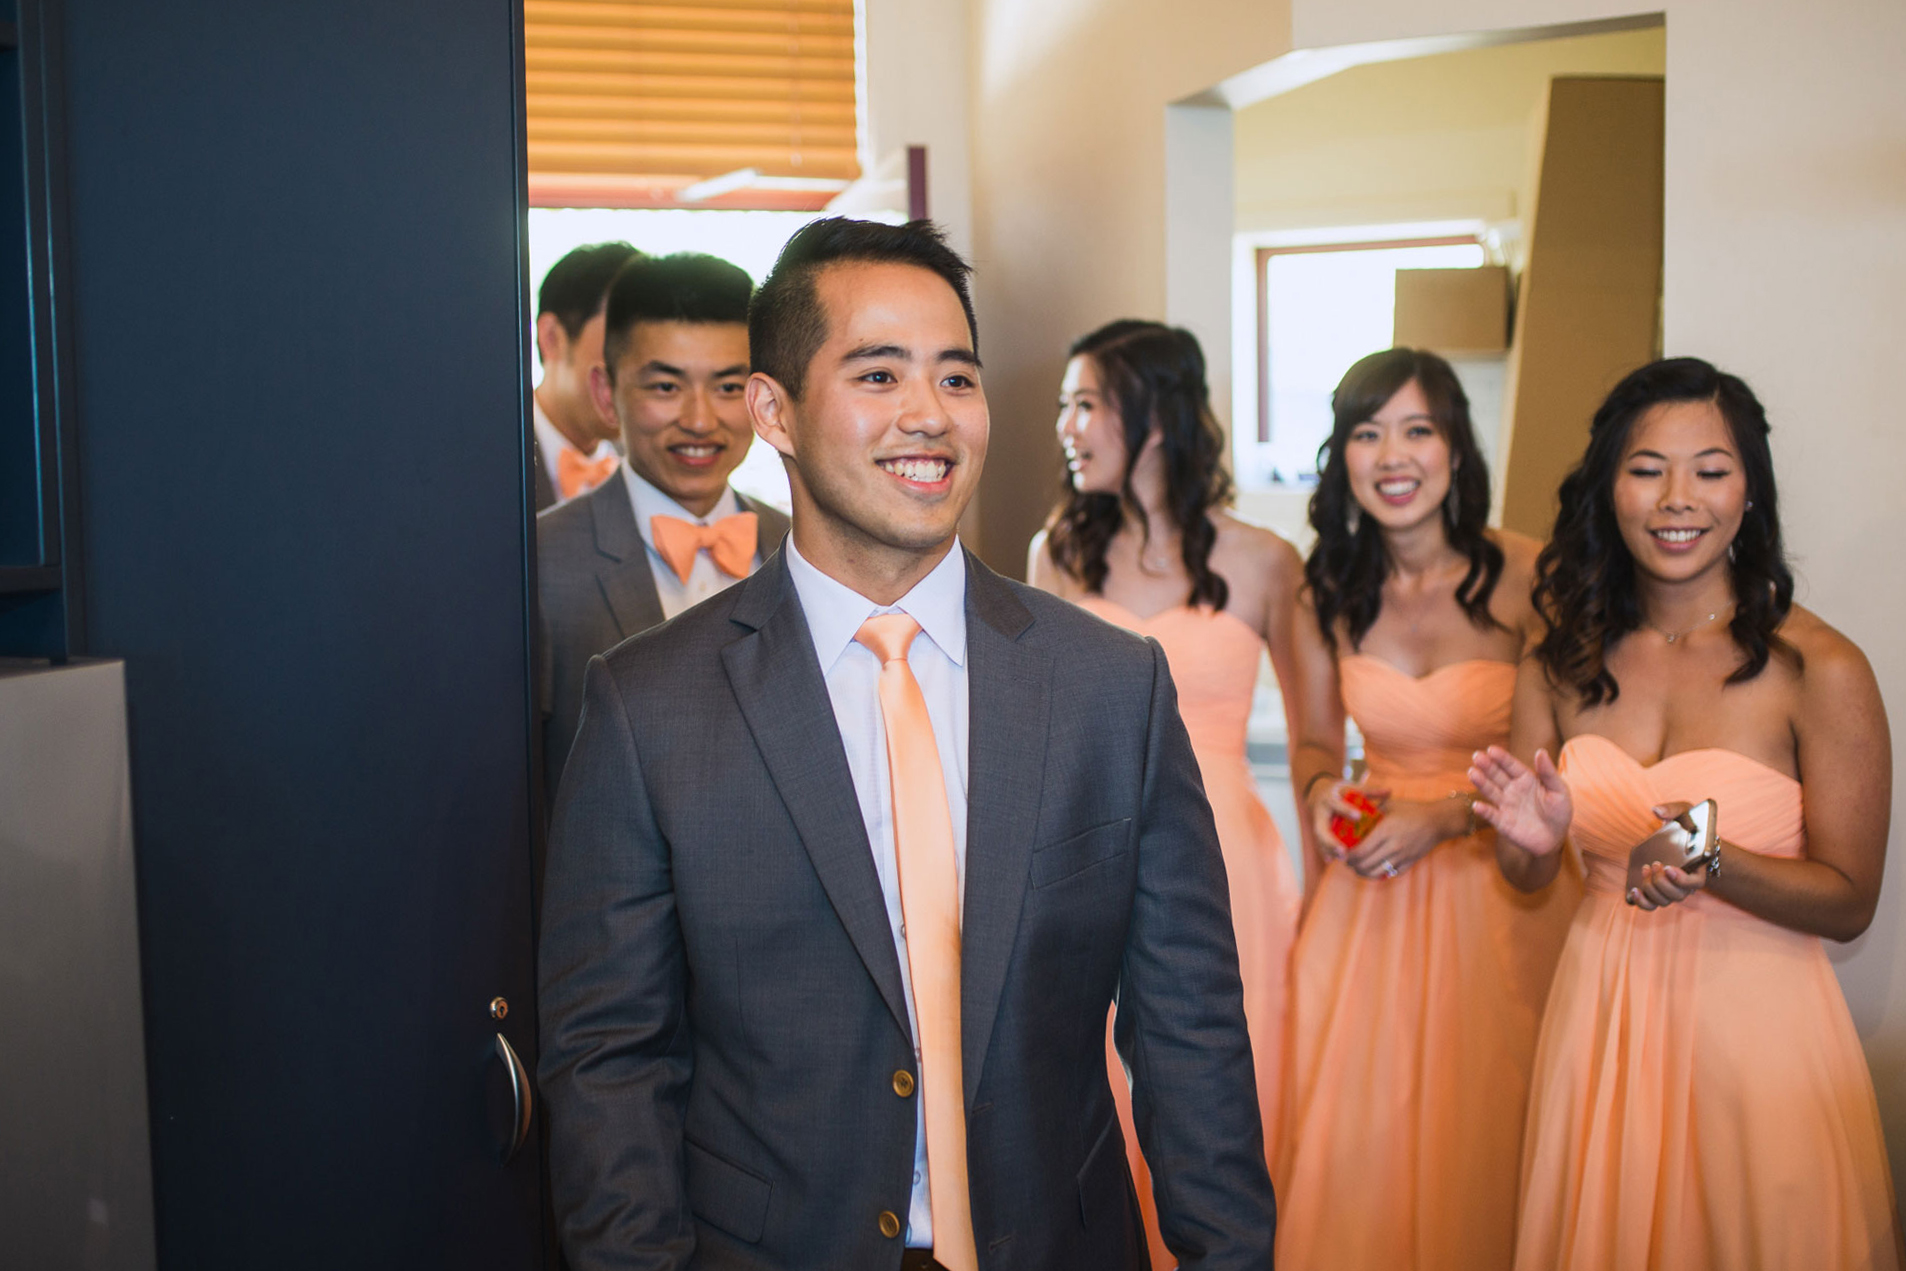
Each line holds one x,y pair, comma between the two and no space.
852,859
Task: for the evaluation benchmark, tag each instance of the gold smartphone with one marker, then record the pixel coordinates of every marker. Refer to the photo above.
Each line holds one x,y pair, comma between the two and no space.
1701,823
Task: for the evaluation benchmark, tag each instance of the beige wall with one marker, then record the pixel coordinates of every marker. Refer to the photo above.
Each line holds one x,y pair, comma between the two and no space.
917,80
1068,150
1444,137
1785,261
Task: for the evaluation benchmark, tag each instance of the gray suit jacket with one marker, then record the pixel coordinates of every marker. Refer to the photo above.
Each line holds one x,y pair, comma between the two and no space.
722,1020
544,488
595,590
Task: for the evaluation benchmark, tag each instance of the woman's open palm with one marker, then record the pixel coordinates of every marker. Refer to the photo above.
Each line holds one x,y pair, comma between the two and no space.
1529,806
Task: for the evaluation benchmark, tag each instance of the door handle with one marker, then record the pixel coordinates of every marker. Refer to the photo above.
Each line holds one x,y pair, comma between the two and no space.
520,1092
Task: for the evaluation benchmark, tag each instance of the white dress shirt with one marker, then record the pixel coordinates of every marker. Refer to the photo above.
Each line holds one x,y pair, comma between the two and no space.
937,658
553,443
706,578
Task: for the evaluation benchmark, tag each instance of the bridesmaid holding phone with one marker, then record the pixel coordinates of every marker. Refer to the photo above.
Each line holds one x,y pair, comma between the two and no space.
1700,1096
1143,540
1418,977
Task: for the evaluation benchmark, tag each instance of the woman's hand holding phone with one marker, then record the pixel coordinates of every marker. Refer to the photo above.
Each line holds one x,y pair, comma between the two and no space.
1658,868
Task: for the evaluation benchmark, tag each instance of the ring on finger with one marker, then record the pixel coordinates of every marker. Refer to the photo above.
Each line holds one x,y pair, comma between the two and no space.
1390,870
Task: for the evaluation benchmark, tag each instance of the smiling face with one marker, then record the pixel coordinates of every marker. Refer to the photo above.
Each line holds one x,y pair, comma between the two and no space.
884,446
1681,490
680,397
1091,431
1398,462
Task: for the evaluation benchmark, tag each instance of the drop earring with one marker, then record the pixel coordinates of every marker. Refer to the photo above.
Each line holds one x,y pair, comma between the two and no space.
1354,520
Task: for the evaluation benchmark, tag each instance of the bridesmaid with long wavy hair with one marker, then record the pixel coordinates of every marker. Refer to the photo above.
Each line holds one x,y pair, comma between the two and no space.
1142,540
1700,1096
1418,977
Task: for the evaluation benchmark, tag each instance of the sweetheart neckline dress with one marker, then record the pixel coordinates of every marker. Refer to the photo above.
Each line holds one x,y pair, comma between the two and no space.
1700,1096
1415,1004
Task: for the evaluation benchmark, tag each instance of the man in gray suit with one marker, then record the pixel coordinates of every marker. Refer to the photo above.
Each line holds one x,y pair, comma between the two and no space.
745,921
674,370
569,441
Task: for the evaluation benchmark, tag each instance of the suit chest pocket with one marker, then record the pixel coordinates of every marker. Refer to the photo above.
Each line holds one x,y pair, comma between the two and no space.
1056,862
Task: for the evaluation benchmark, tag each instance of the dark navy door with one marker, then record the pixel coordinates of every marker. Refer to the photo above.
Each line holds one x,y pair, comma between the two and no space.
296,303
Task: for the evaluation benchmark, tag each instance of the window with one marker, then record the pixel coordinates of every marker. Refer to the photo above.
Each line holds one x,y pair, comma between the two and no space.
729,103
1320,307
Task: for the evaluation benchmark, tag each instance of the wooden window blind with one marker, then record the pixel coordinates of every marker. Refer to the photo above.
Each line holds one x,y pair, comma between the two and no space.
629,102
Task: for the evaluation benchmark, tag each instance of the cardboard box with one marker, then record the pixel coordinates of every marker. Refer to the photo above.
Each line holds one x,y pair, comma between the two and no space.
1455,312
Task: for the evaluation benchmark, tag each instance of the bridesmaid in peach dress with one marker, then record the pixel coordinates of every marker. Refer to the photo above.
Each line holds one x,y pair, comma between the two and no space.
1700,1096
1419,975
1142,541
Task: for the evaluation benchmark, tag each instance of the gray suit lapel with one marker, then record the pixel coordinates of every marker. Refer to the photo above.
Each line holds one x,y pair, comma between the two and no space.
1008,685
628,586
777,682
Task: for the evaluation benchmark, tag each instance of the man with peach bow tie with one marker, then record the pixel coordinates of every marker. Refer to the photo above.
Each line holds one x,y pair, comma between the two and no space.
666,531
572,447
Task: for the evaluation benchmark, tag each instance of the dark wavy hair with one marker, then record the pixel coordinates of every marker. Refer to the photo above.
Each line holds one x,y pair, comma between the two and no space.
1156,375
1349,563
1585,577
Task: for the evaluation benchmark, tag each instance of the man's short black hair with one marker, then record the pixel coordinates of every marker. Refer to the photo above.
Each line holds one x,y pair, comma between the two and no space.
575,285
685,287
786,324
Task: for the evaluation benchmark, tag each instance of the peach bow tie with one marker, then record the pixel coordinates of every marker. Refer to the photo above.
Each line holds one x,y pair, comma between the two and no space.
577,475
730,540
930,913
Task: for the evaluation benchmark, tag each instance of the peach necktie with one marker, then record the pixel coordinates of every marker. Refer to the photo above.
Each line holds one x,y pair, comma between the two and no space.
930,913
576,475
730,540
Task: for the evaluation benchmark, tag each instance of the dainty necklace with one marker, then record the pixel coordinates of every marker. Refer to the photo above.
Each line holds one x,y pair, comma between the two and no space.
1154,561
1685,632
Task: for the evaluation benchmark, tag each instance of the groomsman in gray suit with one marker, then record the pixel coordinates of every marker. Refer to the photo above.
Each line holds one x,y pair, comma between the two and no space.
851,861
571,446
666,531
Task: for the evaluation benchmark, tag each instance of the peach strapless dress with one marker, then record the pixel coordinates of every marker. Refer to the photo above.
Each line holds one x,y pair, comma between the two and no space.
1214,663
1415,1003
1700,1096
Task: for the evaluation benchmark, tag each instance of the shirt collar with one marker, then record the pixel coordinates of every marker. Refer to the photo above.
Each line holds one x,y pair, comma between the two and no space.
835,611
553,442
651,502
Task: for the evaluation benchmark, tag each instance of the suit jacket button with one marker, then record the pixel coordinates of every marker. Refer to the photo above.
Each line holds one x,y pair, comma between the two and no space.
889,1224
903,1083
